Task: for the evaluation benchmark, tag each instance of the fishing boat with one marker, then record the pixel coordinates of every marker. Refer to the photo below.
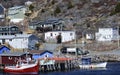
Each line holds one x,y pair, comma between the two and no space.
26,66
86,63
23,68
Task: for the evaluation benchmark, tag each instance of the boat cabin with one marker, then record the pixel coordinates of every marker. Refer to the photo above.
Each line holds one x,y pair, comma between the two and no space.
86,61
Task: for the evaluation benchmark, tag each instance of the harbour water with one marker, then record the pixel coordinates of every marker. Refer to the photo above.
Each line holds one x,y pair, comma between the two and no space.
113,68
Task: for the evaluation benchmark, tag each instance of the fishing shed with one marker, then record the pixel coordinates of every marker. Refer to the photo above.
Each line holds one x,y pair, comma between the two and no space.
13,57
37,54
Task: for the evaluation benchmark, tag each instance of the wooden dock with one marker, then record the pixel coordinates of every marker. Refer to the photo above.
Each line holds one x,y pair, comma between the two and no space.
58,64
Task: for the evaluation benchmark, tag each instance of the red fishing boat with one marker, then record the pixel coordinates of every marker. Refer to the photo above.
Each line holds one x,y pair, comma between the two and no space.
23,68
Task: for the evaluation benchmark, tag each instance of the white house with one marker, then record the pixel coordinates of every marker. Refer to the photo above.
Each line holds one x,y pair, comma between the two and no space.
106,34
66,35
17,13
19,41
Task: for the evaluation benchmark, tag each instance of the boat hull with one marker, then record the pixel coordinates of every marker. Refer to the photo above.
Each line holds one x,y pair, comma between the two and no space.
26,69
94,65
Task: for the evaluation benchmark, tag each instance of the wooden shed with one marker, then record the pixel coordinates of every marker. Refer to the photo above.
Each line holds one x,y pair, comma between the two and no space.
36,54
12,58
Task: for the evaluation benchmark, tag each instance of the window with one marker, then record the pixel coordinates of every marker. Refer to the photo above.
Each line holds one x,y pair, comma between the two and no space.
3,41
46,55
51,34
10,39
71,34
10,58
0,29
60,33
13,29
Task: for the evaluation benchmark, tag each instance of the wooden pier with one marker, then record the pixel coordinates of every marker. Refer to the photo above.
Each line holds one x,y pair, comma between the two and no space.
58,64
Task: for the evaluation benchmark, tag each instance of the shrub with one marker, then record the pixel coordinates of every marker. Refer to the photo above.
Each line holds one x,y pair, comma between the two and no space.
116,10
42,10
70,5
57,10
53,2
31,7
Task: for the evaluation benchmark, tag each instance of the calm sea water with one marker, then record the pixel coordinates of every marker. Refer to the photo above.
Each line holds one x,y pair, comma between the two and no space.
113,68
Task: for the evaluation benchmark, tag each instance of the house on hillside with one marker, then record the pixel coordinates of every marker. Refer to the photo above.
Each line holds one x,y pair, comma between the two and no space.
28,3
66,36
33,40
107,34
17,13
37,54
50,24
4,49
12,58
9,30
19,41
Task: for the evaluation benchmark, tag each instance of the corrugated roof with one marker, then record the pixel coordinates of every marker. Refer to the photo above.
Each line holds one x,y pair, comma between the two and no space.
17,12
1,46
38,51
60,31
13,54
15,36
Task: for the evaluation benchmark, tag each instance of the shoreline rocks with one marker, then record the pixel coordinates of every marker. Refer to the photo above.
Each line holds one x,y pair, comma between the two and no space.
106,57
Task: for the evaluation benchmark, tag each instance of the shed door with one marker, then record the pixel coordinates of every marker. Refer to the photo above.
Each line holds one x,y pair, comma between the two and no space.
3,41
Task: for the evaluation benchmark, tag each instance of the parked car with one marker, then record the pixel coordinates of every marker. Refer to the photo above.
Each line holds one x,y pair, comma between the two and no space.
73,50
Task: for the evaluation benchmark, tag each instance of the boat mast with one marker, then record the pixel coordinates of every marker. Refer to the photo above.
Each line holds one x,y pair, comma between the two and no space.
27,57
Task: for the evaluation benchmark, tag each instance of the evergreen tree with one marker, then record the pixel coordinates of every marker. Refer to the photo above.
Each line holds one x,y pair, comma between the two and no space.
31,7
57,10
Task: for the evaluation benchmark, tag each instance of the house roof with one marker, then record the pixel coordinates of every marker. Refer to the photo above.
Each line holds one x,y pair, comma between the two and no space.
16,13
60,31
47,22
15,36
13,54
39,51
2,46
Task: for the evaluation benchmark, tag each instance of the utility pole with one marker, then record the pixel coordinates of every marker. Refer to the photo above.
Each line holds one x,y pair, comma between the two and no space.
75,41
118,35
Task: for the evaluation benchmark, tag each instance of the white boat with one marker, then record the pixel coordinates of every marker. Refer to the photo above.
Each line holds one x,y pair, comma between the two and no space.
94,65
86,63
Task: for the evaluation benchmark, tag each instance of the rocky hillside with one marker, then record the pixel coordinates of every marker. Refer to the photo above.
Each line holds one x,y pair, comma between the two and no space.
85,13
90,14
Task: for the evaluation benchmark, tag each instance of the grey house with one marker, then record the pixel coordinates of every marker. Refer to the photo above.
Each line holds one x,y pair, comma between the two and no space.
53,24
33,39
9,30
